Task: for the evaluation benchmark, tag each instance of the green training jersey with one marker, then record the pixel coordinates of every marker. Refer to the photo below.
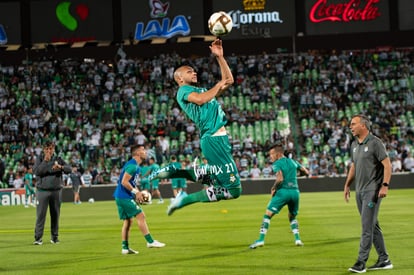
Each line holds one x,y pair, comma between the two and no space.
208,117
289,169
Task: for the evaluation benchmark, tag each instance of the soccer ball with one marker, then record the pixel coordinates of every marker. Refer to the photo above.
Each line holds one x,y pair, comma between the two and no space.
146,196
220,23
91,200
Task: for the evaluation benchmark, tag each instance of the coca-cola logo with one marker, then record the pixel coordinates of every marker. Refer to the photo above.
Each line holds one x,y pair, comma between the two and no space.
353,10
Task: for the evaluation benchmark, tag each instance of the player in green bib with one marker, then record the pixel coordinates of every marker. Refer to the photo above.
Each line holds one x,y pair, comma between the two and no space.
201,106
285,191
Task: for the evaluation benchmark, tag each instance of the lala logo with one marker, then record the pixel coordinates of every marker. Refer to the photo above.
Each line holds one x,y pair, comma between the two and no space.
66,19
163,29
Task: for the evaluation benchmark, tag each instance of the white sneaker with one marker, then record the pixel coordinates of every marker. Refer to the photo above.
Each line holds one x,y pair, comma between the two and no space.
129,251
256,244
155,244
299,243
176,203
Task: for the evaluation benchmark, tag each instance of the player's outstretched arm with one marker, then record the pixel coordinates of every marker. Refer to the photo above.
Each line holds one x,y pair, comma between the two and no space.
226,75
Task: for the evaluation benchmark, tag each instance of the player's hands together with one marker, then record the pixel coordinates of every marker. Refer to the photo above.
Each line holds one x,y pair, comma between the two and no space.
56,166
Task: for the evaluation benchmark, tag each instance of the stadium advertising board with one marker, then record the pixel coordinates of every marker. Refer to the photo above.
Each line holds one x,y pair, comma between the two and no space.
143,20
259,18
71,21
346,16
10,28
406,14
10,197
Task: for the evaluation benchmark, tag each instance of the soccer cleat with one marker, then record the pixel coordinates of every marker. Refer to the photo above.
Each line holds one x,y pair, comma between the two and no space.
256,244
128,251
155,244
381,265
162,173
38,242
359,267
55,241
176,203
299,243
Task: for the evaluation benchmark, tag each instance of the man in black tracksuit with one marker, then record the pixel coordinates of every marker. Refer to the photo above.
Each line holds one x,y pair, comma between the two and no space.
48,170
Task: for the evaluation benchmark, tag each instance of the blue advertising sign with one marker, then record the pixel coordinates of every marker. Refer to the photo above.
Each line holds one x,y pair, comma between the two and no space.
161,19
3,35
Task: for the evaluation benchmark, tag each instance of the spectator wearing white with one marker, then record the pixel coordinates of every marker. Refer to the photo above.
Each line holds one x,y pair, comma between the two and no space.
409,163
140,138
87,177
248,142
165,145
244,173
396,164
317,139
267,171
255,172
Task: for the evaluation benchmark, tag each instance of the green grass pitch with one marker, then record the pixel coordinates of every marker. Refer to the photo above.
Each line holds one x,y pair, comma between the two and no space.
208,238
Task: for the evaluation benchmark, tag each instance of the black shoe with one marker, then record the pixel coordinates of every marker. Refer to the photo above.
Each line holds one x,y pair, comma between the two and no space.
359,267
381,265
55,241
38,242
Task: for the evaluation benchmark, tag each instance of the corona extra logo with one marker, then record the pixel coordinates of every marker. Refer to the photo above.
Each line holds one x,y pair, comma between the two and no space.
254,4
3,35
242,18
164,29
67,19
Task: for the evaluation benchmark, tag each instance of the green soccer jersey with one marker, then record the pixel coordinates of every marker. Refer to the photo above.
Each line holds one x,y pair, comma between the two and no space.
208,117
289,169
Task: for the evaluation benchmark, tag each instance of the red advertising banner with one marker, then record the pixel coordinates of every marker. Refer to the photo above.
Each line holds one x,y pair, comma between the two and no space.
10,28
259,18
346,16
71,21
143,20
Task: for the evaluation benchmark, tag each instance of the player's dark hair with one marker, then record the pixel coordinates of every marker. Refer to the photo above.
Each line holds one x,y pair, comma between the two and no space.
135,148
278,146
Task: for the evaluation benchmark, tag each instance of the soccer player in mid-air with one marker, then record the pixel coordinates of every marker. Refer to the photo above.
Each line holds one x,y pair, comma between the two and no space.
201,106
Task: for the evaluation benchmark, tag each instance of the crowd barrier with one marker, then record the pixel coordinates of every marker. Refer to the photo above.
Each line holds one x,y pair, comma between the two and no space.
250,186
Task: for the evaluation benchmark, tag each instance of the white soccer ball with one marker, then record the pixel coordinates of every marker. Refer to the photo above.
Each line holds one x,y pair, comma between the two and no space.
91,200
146,196
220,23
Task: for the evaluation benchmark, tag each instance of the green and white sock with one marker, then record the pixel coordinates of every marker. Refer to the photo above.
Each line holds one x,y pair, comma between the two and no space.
125,245
294,225
264,227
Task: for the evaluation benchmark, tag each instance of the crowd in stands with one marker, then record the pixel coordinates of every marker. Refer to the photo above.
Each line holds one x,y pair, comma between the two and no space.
96,109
